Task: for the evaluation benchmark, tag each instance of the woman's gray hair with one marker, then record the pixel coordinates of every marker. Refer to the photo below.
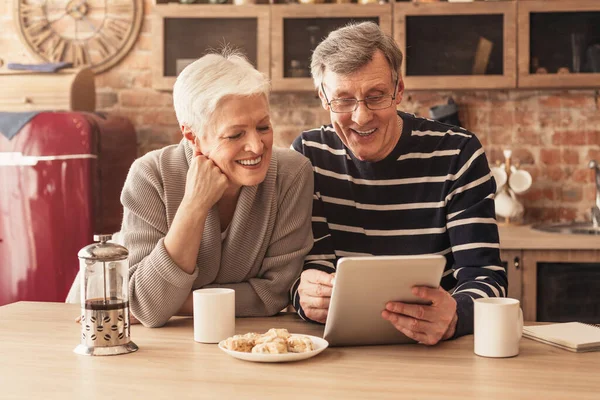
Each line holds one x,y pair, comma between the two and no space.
348,49
202,84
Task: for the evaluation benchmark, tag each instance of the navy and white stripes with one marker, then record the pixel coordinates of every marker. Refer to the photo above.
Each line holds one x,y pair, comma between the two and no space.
433,194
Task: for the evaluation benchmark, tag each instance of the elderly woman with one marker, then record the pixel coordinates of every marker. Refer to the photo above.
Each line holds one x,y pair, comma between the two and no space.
222,208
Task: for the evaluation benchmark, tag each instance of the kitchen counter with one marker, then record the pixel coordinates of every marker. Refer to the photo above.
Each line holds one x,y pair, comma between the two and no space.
523,237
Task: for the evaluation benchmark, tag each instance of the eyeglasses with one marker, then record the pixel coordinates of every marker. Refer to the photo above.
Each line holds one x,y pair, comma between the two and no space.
371,102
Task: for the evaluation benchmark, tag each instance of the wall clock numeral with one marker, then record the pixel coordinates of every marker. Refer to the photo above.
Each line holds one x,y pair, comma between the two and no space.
42,36
116,29
36,27
56,49
101,44
31,10
80,54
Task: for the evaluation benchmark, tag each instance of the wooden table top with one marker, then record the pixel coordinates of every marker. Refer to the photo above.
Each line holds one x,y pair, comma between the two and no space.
37,361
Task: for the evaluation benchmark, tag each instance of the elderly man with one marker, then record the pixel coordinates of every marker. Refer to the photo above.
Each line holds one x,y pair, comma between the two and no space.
390,183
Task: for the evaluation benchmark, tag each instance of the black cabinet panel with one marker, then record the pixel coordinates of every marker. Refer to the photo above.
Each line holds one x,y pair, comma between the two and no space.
568,292
447,44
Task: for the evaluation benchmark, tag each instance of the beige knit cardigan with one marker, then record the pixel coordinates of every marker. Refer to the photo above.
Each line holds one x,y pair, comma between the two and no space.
260,258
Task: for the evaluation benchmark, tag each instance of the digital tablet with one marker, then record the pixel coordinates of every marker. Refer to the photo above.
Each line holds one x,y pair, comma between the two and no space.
363,285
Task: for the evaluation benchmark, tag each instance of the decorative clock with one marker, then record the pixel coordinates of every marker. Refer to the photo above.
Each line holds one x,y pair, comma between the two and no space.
96,33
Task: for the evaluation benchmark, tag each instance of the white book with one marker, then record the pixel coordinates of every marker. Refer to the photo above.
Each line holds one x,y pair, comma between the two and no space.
572,336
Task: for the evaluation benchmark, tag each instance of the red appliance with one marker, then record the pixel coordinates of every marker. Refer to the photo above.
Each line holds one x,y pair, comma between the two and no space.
52,198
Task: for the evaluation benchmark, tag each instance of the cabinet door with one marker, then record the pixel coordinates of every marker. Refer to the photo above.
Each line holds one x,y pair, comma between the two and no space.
550,291
457,45
183,33
511,260
298,28
568,291
559,43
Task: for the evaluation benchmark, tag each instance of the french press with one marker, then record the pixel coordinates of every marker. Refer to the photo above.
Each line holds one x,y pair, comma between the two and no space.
104,276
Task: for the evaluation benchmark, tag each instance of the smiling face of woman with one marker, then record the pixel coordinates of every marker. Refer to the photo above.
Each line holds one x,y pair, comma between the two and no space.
240,140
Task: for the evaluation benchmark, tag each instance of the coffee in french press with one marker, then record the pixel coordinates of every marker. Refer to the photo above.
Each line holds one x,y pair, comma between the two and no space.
104,276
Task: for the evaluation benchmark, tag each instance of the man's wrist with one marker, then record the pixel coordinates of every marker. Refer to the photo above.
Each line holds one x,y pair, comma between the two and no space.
451,328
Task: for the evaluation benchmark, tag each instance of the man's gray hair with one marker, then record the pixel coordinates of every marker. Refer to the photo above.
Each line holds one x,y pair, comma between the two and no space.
202,84
348,49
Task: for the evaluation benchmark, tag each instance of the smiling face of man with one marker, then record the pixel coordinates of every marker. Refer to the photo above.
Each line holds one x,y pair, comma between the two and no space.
370,134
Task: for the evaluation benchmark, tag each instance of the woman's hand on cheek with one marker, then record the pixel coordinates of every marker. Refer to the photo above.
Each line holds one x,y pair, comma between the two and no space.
205,182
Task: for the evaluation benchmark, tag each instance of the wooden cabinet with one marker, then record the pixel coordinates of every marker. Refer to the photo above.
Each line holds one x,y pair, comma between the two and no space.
512,261
533,260
296,29
555,285
457,45
446,45
557,35
556,276
67,89
184,32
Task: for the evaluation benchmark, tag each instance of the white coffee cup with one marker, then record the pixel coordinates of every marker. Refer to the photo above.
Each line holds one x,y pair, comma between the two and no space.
214,314
499,176
520,181
504,204
498,327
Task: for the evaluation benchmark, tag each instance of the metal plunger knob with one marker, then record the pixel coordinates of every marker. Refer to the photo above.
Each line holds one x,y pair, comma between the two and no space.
102,238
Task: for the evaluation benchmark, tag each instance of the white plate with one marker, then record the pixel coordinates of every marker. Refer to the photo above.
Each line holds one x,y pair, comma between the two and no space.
318,343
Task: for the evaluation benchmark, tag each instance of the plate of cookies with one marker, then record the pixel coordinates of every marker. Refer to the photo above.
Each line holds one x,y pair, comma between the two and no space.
276,345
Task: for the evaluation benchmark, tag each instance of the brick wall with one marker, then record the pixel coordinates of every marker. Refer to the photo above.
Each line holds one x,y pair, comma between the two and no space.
553,134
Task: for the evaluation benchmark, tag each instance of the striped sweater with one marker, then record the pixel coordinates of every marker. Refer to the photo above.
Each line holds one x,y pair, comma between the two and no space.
433,194
260,257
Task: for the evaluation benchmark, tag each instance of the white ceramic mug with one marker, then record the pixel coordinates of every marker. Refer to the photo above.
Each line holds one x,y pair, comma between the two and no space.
498,327
507,205
520,181
504,205
214,314
500,177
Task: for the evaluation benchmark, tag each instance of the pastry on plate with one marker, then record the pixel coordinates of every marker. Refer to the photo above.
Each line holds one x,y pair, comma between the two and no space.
272,334
243,343
299,344
275,346
282,333
274,341
239,343
250,336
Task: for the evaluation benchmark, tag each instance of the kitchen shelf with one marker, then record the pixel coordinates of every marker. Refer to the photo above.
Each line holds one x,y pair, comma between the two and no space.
440,42
204,2
545,41
298,28
187,31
